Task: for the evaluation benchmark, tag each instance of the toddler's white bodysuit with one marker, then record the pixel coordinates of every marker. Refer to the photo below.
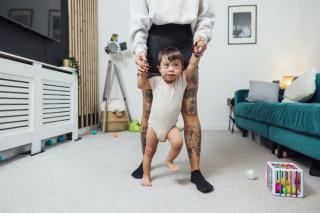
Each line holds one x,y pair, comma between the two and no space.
166,104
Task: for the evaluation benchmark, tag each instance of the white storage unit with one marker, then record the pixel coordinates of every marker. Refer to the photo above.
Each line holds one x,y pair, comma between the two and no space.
37,101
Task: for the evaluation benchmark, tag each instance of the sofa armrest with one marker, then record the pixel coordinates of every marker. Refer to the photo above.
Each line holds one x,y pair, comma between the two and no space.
241,96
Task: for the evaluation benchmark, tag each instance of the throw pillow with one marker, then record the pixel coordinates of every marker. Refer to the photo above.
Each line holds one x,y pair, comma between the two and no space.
263,91
301,89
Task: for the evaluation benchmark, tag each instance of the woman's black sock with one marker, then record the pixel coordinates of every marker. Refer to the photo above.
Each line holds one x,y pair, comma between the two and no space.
202,184
138,173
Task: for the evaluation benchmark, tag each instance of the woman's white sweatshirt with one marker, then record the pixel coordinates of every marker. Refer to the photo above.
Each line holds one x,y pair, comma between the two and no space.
144,13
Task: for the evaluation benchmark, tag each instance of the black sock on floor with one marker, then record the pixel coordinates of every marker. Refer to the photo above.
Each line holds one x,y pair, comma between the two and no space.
202,184
315,168
138,173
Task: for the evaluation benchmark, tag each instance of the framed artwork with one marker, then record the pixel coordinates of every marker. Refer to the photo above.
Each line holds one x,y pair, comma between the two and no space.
22,16
242,24
54,24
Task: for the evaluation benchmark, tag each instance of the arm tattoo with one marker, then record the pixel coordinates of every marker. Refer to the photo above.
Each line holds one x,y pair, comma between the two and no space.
194,78
193,140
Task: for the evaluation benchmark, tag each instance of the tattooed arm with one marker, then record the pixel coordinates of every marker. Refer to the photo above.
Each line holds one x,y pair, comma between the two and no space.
193,65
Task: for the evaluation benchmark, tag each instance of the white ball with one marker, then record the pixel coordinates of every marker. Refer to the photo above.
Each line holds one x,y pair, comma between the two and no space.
250,174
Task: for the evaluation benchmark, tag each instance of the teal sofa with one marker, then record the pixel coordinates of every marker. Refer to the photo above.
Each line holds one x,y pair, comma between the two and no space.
293,125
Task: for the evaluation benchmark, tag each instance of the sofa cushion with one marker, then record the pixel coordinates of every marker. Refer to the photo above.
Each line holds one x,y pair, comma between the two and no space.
316,97
263,91
301,89
265,112
301,117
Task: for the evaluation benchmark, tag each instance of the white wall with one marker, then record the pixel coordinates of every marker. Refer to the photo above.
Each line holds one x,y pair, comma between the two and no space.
310,33
288,43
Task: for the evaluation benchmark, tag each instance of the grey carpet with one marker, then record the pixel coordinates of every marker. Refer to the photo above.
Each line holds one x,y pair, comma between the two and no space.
93,175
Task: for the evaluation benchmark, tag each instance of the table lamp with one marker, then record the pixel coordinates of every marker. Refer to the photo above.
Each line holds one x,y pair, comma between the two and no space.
286,81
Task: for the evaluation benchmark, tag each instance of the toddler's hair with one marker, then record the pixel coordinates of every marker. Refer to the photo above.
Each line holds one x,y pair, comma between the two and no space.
170,53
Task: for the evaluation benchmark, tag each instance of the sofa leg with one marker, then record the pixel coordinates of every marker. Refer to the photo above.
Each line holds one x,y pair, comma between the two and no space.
279,148
244,132
273,148
315,168
253,136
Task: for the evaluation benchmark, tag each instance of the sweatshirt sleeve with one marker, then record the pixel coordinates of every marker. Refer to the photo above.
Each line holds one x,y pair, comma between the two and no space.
138,32
205,21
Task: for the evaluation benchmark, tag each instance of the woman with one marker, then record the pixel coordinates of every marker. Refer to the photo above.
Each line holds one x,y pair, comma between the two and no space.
155,25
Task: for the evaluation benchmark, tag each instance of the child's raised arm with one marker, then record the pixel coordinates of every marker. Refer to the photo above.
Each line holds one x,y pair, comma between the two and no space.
193,65
143,81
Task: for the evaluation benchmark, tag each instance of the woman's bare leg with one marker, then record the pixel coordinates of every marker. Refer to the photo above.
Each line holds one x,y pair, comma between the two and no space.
192,133
147,102
192,129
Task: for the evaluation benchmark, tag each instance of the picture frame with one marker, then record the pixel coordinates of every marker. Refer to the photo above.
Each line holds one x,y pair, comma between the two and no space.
22,16
242,24
54,24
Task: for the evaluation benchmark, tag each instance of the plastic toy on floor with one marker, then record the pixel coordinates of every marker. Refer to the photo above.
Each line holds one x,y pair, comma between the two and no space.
49,142
284,179
250,174
60,139
134,126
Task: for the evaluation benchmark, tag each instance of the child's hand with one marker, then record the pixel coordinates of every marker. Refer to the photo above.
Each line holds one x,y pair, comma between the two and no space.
195,50
142,63
201,45
144,67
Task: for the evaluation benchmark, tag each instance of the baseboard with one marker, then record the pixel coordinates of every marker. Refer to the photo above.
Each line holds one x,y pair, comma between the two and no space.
214,127
209,126
87,130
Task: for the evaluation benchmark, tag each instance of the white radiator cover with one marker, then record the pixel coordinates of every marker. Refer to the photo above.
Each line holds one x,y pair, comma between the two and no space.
37,101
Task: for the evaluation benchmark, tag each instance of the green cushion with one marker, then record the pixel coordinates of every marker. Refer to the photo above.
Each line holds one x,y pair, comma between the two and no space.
301,117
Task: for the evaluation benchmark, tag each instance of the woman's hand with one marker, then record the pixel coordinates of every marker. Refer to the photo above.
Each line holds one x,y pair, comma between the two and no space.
142,63
200,46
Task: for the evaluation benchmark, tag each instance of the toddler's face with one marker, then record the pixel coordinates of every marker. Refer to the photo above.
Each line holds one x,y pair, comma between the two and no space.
170,70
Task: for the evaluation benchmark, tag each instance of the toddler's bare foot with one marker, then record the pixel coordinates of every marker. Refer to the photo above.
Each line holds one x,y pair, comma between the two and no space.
146,181
173,167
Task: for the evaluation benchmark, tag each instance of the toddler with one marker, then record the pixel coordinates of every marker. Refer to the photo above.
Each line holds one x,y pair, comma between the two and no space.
168,90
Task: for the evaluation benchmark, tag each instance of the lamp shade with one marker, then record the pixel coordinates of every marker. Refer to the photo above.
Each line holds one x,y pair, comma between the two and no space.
286,81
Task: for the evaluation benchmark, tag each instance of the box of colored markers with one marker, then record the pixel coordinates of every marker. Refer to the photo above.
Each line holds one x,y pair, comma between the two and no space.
284,179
